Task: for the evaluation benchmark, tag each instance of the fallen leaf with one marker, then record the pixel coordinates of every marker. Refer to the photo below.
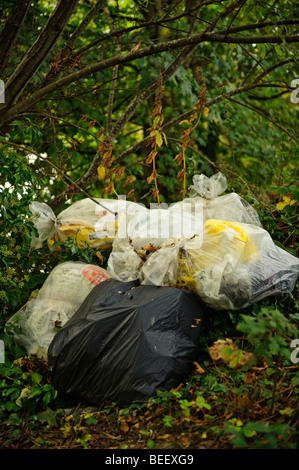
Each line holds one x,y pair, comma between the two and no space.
225,350
198,369
124,427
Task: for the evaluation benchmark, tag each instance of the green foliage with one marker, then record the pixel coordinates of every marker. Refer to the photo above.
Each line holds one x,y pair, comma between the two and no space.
17,189
270,332
269,436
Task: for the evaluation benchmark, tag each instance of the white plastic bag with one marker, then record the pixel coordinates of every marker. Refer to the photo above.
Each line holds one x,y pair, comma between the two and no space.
141,232
61,295
230,207
85,220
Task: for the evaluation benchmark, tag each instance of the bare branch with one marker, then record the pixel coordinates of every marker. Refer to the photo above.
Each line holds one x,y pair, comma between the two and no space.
91,176
72,183
265,116
79,30
273,67
143,52
11,30
40,49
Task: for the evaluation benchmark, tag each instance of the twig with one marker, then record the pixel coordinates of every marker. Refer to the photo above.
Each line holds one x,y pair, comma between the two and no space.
258,111
23,147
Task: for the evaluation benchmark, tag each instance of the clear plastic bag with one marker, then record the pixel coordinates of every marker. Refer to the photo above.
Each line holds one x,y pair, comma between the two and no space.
147,243
61,295
230,207
85,220
235,265
224,255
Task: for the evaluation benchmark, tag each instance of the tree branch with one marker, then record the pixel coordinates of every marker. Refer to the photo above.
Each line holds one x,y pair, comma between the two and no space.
40,49
186,115
66,177
124,58
91,176
99,6
63,58
11,30
265,116
273,67
264,24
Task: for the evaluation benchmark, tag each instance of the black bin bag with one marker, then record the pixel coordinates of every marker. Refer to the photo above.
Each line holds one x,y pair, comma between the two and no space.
125,342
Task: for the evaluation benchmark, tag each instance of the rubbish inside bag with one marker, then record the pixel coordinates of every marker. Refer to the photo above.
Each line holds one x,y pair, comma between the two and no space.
126,342
87,221
61,295
235,265
230,262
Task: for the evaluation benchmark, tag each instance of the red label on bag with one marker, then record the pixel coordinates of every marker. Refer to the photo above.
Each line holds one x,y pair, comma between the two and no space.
94,275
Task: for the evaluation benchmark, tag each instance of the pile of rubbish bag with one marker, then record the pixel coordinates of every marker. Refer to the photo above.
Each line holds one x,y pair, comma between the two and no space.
211,244
123,333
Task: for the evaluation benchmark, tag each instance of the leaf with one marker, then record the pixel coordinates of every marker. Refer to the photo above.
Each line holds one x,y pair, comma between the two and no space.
24,395
286,202
179,157
129,180
13,420
154,133
101,172
165,139
34,392
277,49
262,49
151,156
150,248
35,377
150,444
156,121
119,172
198,370
206,112
91,420
130,193
124,427
249,432
227,351
152,176
181,174
159,140
201,402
